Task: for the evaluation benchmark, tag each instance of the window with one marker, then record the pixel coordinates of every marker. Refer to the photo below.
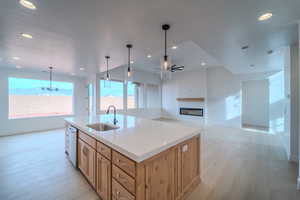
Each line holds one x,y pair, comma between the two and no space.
27,99
90,97
112,95
134,95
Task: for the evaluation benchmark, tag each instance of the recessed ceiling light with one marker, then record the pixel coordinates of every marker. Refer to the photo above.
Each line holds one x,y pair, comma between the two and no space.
174,47
81,68
132,62
149,56
73,74
26,35
18,67
203,63
16,58
27,4
265,16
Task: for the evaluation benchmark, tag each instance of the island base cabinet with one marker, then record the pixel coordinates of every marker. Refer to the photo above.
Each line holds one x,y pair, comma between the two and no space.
169,175
86,161
160,177
172,174
188,168
103,177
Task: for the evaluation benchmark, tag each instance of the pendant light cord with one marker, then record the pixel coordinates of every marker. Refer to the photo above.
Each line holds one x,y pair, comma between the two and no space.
165,43
107,75
129,46
129,60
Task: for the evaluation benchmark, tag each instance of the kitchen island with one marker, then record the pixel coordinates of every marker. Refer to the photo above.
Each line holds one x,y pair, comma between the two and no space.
137,159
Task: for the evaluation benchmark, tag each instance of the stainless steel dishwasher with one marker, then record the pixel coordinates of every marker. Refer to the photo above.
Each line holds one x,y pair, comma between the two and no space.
72,144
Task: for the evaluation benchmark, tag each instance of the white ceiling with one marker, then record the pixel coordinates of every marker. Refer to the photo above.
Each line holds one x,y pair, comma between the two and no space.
69,34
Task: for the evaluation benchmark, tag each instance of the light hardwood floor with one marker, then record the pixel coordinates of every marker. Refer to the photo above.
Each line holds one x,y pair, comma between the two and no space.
235,165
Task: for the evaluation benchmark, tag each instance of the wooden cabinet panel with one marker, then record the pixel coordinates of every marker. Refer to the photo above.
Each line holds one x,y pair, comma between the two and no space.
125,180
104,150
103,172
87,139
120,193
86,161
160,177
124,163
188,163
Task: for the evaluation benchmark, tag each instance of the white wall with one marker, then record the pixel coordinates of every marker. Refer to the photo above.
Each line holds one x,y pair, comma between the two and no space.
286,134
224,95
255,103
185,84
295,102
13,126
299,97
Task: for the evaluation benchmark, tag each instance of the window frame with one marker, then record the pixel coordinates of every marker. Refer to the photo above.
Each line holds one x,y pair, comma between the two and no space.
99,95
136,97
37,117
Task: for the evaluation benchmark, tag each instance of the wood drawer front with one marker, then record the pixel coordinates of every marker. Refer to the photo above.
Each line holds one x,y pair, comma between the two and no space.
88,139
124,163
124,179
120,193
104,150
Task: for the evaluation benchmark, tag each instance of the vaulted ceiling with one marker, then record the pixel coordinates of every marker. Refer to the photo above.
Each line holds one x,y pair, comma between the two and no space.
70,34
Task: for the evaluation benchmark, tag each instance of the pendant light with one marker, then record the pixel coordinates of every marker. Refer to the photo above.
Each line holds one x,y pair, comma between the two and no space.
50,88
166,63
107,78
129,70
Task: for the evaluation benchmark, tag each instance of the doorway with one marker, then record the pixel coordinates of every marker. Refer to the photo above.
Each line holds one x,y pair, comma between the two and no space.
255,105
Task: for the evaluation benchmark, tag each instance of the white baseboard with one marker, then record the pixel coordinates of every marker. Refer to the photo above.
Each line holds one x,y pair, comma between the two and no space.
298,185
28,132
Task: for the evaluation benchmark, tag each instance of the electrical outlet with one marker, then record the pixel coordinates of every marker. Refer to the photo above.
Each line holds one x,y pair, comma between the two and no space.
185,148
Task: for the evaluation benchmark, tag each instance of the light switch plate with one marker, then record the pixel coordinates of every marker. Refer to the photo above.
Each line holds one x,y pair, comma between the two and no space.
185,148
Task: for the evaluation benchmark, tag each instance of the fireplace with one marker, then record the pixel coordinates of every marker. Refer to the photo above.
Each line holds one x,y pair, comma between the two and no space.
191,111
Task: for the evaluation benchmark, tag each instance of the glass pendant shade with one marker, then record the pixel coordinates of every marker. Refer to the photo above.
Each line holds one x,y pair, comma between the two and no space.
165,69
166,63
129,74
129,71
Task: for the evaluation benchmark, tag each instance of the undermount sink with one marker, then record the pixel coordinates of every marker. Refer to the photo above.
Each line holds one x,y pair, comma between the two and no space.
102,127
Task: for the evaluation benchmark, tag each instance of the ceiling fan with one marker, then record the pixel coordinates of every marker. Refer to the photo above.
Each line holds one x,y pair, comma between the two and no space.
175,68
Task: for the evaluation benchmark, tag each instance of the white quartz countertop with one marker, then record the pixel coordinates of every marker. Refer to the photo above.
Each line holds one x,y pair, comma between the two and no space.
137,138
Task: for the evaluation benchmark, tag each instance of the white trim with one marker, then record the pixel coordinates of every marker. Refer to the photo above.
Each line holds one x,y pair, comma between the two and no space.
298,184
294,158
34,131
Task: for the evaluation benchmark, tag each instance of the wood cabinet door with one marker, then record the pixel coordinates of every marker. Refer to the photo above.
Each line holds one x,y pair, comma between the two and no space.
103,171
86,161
160,177
79,156
189,162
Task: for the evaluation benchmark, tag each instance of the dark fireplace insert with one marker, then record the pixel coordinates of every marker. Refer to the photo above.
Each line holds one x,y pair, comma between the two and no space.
191,111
